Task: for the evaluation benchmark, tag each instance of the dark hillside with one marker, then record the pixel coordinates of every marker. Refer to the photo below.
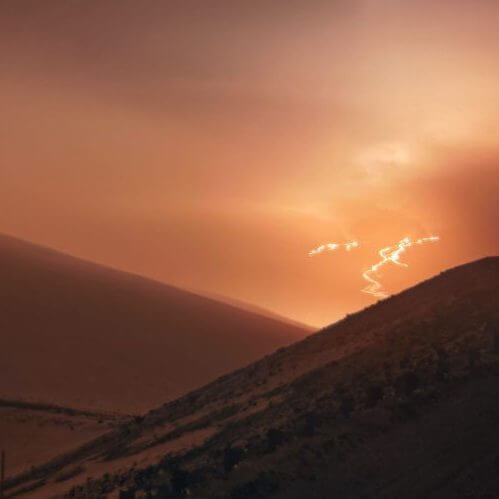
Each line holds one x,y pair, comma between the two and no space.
399,400
79,334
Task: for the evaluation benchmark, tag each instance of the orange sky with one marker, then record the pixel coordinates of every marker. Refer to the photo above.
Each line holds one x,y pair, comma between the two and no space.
212,144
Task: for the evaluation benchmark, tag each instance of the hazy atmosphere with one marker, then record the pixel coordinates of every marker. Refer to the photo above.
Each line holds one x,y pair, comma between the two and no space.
249,249
213,144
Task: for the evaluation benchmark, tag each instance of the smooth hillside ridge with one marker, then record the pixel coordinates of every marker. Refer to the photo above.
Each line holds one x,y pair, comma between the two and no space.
84,335
256,309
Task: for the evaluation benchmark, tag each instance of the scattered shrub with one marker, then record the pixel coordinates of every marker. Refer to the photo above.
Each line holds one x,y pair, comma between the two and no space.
407,383
127,494
181,480
374,393
232,457
274,438
259,488
347,404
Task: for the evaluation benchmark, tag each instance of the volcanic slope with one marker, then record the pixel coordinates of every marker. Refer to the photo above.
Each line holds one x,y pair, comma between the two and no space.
398,400
82,335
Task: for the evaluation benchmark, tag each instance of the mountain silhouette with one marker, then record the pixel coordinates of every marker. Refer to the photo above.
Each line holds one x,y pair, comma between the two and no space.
398,400
80,334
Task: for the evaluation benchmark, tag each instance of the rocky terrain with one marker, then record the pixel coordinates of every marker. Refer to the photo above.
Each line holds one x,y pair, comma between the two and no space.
398,400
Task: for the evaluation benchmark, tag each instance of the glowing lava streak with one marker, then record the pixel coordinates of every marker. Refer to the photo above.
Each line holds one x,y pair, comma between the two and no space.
390,254
333,247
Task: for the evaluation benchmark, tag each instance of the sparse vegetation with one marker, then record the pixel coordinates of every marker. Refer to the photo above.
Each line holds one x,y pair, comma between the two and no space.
329,421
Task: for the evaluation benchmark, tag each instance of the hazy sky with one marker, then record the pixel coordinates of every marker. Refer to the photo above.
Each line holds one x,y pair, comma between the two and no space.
212,143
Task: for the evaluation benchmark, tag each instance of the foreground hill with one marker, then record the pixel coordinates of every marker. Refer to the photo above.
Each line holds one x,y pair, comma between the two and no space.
399,400
75,333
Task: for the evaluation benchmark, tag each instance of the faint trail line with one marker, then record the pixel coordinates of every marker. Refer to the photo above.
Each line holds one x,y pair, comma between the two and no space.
333,247
389,254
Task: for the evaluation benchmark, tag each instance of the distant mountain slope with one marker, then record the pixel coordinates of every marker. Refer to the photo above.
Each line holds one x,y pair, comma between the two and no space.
398,400
75,333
